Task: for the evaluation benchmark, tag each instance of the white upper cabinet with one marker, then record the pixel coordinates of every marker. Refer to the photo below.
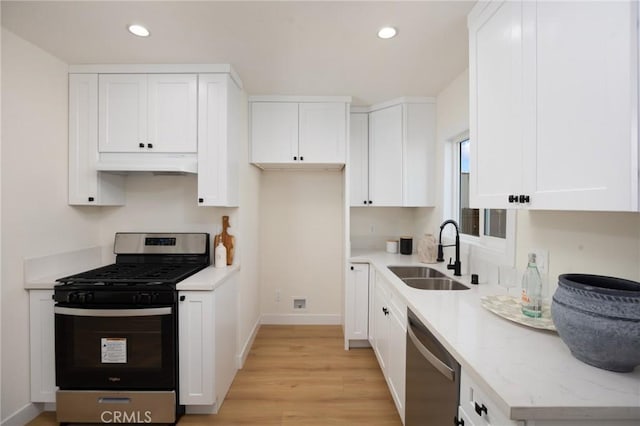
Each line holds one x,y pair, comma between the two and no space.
148,113
219,130
359,158
274,132
88,186
385,156
154,118
392,154
322,132
295,132
554,104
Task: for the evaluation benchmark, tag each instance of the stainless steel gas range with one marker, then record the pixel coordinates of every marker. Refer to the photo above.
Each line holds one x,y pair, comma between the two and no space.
116,338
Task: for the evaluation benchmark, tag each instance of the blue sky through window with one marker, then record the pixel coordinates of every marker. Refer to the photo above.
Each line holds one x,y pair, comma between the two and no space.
464,156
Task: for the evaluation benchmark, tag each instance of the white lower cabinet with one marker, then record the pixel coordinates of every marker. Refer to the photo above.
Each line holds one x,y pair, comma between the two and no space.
42,346
207,339
463,418
389,339
478,407
357,302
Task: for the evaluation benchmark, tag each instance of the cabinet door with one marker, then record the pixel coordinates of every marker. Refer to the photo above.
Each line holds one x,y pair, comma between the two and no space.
381,341
495,96
87,186
359,159
218,121
173,113
322,132
42,346
385,156
122,113
274,132
397,360
581,88
196,345
357,302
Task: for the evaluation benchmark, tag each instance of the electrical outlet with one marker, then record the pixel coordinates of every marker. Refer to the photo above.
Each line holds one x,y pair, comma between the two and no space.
542,260
299,303
277,295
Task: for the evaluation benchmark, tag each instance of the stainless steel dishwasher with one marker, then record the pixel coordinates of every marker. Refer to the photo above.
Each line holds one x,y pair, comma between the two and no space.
432,378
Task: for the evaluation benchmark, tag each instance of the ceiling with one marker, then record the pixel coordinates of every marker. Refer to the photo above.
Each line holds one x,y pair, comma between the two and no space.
277,47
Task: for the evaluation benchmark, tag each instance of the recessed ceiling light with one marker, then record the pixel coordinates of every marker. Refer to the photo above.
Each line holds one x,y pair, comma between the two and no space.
138,30
387,32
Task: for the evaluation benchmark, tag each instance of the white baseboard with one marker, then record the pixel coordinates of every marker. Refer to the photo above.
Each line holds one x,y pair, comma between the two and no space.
24,415
302,319
244,352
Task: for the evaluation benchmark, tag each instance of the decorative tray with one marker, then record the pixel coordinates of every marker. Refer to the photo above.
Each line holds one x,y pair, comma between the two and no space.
508,307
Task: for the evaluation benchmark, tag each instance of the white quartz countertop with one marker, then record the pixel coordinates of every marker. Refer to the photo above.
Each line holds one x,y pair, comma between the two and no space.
208,279
530,373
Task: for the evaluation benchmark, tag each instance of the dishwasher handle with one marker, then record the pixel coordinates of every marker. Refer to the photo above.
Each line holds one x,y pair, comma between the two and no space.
433,360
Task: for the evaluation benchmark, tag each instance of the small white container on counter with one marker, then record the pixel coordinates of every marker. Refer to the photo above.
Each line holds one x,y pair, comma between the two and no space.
392,246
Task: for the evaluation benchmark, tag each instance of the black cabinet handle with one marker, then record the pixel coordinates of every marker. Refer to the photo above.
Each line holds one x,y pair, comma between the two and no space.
295,158
91,199
183,298
301,158
458,422
365,202
513,198
480,408
201,200
141,145
385,311
352,268
523,198
370,202
149,145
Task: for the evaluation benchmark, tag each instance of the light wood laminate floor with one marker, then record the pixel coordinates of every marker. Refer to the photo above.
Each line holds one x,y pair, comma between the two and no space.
300,375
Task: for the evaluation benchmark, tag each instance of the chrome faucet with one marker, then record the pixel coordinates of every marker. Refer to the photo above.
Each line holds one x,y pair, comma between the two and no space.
455,265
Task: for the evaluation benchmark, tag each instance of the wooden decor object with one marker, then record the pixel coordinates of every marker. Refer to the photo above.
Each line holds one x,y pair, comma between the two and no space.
228,240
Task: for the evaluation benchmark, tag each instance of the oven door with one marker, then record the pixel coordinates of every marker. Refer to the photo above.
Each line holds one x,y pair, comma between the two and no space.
113,349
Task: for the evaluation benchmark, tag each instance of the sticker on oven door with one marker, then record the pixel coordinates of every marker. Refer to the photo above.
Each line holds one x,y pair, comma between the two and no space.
114,350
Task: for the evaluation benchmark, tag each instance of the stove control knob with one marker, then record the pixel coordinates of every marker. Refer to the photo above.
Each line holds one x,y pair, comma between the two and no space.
72,297
144,298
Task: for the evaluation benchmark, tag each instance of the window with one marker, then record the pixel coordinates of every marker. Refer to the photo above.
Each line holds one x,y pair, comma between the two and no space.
490,231
494,220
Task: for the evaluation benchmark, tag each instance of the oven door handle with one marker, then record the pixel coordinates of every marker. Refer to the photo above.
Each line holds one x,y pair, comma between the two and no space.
144,312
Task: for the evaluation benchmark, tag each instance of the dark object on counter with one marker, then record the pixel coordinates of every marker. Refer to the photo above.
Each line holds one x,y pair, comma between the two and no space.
455,265
406,245
474,278
598,318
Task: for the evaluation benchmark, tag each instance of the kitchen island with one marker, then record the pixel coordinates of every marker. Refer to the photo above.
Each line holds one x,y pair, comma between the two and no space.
529,374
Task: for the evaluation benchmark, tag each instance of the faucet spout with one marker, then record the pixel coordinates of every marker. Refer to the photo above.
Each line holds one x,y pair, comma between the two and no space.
456,266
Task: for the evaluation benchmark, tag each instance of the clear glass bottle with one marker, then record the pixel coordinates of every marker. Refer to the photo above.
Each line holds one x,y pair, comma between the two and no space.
531,297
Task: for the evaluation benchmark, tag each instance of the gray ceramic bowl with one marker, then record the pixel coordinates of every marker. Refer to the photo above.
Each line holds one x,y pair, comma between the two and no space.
599,319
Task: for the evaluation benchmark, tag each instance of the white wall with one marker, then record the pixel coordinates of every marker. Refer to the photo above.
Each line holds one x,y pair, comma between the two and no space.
371,227
36,219
301,245
591,242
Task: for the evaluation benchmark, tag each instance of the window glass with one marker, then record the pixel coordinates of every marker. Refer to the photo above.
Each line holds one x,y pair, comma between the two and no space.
494,220
469,218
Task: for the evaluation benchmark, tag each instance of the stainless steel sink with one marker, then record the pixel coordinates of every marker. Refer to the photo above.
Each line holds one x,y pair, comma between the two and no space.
434,284
416,272
425,278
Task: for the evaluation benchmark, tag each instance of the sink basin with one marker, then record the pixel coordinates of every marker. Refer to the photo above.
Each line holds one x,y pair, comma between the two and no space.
434,284
416,272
